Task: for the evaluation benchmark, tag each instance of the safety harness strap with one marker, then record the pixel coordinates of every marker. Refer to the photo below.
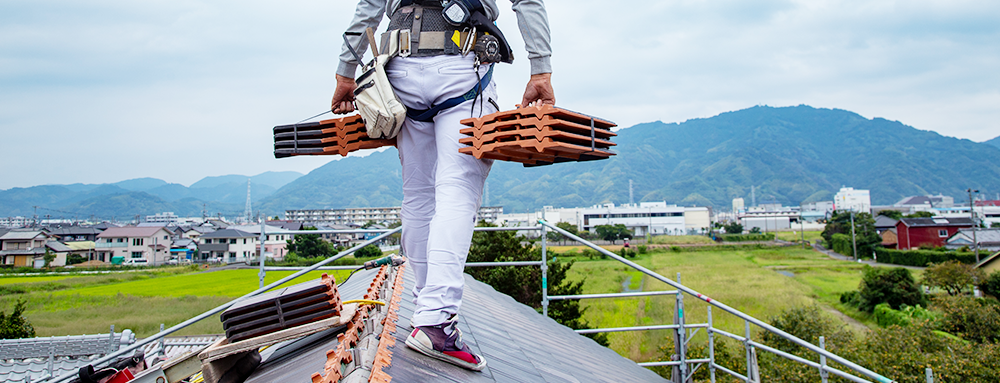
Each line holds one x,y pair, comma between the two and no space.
427,115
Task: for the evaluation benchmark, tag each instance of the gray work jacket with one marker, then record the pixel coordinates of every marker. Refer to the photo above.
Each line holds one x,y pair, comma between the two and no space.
531,20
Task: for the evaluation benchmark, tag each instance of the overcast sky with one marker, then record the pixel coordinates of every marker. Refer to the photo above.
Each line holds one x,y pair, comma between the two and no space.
107,90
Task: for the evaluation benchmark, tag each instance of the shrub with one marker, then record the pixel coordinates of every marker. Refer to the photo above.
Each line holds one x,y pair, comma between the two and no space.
841,243
851,298
885,316
894,286
746,237
973,319
15,326
921,258
991,285
642,249
807,323
627,253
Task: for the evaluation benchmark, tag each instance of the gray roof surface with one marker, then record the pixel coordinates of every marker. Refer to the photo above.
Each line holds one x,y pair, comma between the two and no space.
524,347
75,230
936,221
228,233
21,235
57,246
883,221
23,360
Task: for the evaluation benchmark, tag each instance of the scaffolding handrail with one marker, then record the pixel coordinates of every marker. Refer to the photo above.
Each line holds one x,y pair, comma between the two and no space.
723,306
224,306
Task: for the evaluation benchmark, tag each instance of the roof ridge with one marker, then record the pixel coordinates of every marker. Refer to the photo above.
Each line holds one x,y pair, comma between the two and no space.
383,358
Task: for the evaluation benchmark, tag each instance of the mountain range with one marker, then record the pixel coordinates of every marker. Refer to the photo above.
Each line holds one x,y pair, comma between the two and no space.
142,196
791,155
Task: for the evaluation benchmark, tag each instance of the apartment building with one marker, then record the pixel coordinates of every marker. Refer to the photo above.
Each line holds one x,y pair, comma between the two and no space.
360,215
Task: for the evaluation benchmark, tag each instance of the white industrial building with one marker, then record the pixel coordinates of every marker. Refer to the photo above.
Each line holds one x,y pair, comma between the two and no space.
655,218
851,199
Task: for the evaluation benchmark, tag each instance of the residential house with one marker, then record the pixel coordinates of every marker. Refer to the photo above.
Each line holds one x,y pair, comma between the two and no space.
21,247
883,223
889,238
75,233
184,249
277,238
150,243
916,232
990,264
989,239
228,245
85,249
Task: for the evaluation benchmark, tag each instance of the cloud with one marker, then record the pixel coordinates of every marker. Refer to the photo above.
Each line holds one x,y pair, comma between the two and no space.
184,89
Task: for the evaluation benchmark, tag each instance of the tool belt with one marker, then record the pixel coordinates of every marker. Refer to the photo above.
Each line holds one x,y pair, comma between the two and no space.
422,32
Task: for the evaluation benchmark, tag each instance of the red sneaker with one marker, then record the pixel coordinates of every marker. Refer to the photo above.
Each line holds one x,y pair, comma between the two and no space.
434,342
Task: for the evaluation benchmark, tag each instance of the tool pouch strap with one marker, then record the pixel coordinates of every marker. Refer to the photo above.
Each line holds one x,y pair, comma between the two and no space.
381,110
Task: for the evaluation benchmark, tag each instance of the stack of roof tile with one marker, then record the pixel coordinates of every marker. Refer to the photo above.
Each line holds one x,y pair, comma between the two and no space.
328,137
281,309
538,135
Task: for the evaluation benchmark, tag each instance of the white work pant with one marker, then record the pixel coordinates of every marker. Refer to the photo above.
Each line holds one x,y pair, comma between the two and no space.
442,188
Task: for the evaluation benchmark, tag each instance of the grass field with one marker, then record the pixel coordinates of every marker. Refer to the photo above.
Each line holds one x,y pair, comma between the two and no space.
791,236
747,279
31,279
680,240
88,304
743,279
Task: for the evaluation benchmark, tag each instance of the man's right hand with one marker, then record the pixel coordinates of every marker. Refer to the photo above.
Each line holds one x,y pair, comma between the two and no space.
343,96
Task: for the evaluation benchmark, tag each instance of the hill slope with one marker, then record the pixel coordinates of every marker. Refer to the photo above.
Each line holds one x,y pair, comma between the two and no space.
995,141
792,154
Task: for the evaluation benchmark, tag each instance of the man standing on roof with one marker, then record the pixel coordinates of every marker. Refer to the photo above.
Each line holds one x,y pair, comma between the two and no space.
441,80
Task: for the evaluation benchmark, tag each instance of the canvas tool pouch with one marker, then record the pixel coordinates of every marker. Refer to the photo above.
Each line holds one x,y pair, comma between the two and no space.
374,97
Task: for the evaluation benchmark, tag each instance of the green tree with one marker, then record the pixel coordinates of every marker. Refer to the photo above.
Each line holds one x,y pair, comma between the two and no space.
48,257
734,228
894,286
894,214
524,283
864,231
755,230
952,276
309,245
370,251
920,214
555,236
613,233
15,326
995,224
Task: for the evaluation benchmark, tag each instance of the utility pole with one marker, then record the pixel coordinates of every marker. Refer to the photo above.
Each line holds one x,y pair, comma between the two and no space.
854,242
263,239
972,215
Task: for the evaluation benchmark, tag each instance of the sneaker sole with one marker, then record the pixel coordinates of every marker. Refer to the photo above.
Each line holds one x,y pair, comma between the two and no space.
421,348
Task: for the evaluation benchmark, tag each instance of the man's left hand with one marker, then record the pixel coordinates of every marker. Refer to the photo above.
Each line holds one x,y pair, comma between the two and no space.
539,90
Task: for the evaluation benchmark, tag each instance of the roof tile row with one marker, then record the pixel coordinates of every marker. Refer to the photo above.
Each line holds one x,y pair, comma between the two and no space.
383,358
538,135
333,370
328,137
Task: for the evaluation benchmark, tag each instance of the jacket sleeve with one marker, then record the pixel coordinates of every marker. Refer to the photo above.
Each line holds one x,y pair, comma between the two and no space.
533,22
368,14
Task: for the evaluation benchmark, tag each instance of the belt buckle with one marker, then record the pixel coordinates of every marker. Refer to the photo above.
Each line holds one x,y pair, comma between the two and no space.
404,43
